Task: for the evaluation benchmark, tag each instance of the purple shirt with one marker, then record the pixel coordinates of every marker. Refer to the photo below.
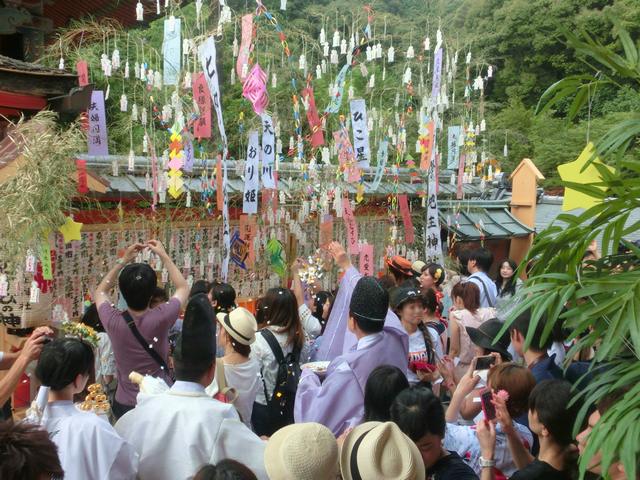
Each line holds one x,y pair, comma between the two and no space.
154,327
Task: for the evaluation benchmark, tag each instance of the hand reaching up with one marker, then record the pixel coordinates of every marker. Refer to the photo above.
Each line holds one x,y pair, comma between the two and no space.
339,255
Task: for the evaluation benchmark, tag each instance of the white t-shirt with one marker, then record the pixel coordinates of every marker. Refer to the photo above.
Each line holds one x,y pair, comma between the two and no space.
418,350
245,378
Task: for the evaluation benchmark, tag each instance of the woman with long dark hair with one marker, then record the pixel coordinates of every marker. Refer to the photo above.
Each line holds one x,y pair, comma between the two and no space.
280,318
507,284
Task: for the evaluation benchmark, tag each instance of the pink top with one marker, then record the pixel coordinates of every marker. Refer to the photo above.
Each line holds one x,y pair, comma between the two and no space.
465,318
154,326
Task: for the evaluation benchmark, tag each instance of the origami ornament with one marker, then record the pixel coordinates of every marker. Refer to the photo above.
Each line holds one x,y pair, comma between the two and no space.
334,57
254,89
427,44
123,103
325,50
70,230
336,39
575,172
323,35
391,54
343,47
411,52
61,64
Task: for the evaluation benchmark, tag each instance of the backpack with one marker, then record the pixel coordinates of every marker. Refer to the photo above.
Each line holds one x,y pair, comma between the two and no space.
288,375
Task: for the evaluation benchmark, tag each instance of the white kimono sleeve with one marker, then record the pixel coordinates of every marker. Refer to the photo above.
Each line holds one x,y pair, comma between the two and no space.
237,442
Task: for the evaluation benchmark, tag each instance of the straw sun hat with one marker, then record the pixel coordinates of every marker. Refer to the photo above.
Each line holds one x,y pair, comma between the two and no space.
380,451
302,451
240,324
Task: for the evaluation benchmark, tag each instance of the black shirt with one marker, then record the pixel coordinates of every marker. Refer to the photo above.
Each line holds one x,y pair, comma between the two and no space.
538,469
451,467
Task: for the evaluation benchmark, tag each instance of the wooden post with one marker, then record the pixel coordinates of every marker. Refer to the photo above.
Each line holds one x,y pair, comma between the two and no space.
523,204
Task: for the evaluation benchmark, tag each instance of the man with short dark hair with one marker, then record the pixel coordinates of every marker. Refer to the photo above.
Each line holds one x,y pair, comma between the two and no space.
542,366
362,316
139,335
27,452
178,431
479,264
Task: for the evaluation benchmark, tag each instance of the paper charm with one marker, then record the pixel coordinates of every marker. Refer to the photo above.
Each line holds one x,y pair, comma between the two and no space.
254,89
239,250
276,257
283,4
70,230
575,172
391,54
34,293
334,57
139,12
123,103
336,39
343,47
427,44
410,52
61,64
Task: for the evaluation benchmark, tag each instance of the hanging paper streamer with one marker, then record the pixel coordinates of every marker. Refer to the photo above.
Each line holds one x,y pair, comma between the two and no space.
453,150
437,76
254,89
81,167
276,257
45,260
248,229
336,100
427,140
154,174
409,233
239,250
189,154
345,156
251,172
207,53
459,191
432,246
202,125
97,137
351,226
268,152
360,132
366,260
383,149
326,231
171,50
317,135
83,73
175,182
219,192
242,65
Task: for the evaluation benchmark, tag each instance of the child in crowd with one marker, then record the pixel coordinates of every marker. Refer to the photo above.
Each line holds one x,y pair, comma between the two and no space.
88,446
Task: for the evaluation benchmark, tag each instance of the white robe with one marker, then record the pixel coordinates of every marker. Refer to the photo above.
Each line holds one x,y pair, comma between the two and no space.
178,431
88,446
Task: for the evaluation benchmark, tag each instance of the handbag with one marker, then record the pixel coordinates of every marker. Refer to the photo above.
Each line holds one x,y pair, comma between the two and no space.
225,393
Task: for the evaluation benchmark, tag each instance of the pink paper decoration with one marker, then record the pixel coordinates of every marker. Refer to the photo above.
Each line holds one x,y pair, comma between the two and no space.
254,89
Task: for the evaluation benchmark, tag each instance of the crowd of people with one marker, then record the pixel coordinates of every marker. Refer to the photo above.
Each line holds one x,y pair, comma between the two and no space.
408,376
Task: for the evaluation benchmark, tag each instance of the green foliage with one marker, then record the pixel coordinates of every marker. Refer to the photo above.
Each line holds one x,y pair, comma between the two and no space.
602,298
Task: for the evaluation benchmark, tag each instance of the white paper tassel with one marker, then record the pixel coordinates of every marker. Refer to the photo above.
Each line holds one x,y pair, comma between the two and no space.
186,83
323,35
369,53
61,64
134,113
106,93
407,76
188,200
126,70
123,103
372,80
235,47
391,54
157,80
379,50
132,161
115,167
384,73
468,61
157,7
438,39
427,44
343,47
318,72
326,156
279,146
283,4
274,80
323,65
143,116
145,148
410,52
349,57
136,70
233,76
139,12
336,39
483,125
198,9
490,72
34,293
505,151
115,59
325,49
143,72
334,57
302,62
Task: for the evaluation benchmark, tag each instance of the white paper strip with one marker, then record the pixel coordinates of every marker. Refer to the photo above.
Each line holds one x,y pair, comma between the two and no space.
268,153
251,174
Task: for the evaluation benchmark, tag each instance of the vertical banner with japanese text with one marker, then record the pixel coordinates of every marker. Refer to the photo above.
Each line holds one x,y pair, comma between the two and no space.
409,231
360,133
268,152
351,226
432,241
366,260
97,137
202,126
251,174
453,147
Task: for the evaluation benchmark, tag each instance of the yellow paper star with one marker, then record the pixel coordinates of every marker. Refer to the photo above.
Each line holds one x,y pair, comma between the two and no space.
572,172
70,230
